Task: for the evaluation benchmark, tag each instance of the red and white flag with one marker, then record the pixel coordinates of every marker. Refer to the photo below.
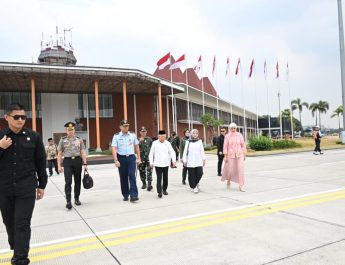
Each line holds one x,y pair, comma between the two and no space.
238,66
265,70
277,68
227,66
198,66
180,62
287,71
251,69
164,61
214,65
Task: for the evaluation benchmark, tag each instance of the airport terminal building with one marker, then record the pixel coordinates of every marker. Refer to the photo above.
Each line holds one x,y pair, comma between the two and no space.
56,90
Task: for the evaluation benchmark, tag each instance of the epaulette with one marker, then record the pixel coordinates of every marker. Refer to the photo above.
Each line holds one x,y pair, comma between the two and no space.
64,137
77,137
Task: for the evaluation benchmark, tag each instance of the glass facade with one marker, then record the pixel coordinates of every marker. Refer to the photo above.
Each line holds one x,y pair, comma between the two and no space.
105,106
23,98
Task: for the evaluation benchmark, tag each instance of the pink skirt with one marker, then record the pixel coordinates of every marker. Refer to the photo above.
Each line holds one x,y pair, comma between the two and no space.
234,170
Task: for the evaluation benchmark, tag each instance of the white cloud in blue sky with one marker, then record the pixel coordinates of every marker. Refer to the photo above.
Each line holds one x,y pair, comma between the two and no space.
136,34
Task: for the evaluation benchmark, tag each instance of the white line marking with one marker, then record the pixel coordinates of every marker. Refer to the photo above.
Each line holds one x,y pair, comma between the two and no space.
66,239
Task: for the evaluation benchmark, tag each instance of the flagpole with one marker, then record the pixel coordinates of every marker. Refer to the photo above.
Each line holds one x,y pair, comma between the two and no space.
256,102
268,105
188,113
291,117
280,115
230,103
203,101
215,62
244,108
172,102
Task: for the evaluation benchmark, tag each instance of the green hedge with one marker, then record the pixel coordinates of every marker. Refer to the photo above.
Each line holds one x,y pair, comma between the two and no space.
284,144
209,148
260,143
263,143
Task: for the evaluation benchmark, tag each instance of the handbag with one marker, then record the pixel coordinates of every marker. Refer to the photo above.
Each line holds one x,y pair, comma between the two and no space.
87,180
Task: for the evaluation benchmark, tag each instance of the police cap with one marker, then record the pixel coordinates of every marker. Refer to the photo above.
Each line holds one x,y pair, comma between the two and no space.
143,129
124,122
70,125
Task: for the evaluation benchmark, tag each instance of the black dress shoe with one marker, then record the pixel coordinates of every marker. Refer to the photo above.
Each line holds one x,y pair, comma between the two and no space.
133,199
125,199
219,175
69,205
144,186
77,202
183,182
160,195
165,192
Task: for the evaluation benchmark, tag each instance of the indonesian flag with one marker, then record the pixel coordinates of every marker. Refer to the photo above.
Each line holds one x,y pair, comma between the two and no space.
265,69
214,65
251,69
164,61
179,63
238,65
198,66
277,68
287,71
227,66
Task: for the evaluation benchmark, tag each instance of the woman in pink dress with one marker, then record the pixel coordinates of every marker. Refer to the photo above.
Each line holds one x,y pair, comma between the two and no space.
234,151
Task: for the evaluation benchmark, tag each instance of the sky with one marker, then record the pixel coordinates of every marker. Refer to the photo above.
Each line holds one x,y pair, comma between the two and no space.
135,34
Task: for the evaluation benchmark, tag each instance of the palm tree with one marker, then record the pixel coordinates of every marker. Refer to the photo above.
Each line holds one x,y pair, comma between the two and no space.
337,112
298,104
314,107
323,107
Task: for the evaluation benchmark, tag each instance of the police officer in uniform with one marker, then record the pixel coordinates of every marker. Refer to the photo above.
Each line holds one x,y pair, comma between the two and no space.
72,148
145,170
123,145
23,178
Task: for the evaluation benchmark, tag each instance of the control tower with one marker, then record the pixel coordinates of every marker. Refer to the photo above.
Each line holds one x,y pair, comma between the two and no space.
58,50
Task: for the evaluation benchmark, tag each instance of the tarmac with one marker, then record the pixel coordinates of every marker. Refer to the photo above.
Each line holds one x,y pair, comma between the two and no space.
292,213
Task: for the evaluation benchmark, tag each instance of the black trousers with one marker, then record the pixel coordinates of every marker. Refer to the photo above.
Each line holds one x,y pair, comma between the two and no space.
51,163
317,145
184,173
220,162
16,211
162,172
72,167
194,176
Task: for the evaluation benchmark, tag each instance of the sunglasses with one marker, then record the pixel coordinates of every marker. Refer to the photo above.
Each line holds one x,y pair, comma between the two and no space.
17,117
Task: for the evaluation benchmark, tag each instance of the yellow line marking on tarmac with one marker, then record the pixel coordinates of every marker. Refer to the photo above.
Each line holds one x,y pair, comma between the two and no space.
153,231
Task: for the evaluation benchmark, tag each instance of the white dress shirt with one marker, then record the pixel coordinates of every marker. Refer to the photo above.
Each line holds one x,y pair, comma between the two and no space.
161,154
196,154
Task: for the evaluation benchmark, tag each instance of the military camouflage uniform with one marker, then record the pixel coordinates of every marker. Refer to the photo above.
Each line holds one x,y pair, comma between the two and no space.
144,168
175,143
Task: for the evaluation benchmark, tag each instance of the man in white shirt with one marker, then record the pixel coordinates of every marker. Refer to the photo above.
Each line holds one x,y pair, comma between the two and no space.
161,156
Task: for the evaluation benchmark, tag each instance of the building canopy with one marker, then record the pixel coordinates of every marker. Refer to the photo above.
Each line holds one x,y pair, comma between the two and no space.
80,79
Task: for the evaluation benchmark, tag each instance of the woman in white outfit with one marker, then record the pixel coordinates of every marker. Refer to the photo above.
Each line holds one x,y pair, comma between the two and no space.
194,159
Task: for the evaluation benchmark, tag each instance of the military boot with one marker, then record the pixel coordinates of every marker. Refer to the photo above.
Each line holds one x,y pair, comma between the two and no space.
144,185
149,186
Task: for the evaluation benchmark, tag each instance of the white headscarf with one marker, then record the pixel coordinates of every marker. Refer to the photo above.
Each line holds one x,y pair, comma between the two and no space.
232,125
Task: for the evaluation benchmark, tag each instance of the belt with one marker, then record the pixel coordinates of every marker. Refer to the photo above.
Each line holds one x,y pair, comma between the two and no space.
125,155
71,157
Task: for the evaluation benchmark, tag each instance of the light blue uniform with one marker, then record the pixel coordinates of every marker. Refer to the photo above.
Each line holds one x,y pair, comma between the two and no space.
124,143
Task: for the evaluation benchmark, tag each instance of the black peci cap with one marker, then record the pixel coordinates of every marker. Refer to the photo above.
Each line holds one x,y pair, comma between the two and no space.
161,132
50,139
